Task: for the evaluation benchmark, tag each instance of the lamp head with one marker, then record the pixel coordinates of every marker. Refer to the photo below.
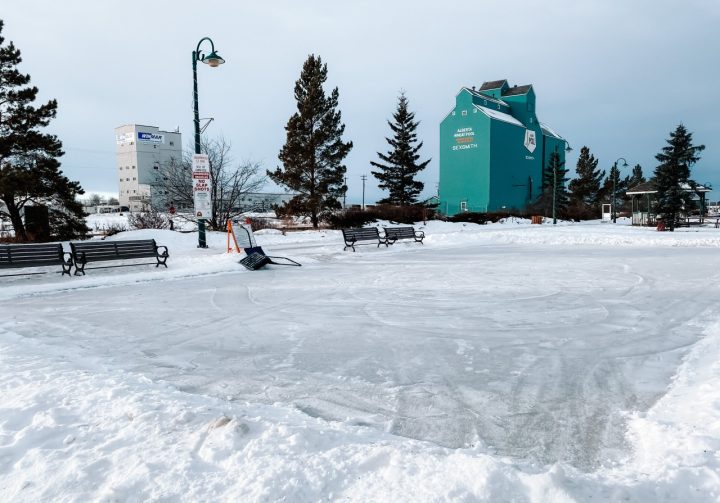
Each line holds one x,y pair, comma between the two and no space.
213,59
568,148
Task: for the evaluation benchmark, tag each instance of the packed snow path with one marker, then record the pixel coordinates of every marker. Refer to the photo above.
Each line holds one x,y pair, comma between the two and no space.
533,353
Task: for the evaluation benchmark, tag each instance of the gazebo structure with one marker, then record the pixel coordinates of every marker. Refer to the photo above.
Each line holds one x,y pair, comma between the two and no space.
643,202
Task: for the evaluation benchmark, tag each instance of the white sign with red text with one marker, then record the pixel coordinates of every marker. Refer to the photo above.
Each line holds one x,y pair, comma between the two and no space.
201,185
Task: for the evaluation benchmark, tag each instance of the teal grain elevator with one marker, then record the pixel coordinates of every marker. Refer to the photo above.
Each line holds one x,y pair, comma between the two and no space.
493,150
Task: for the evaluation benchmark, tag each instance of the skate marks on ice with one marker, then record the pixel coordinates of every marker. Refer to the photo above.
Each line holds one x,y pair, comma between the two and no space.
528,354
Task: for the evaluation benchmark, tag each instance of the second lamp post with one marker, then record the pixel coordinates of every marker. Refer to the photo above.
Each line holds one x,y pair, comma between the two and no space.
614,178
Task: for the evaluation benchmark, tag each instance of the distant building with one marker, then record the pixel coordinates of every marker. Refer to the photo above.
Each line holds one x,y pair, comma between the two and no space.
141,152
493,150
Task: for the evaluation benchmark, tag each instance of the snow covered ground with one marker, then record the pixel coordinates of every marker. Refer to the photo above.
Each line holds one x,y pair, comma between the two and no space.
505,362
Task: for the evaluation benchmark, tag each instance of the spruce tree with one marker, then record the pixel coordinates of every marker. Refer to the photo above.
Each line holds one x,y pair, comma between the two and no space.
313,153
29,167
672,175
555,193
585,189
397,174
637,177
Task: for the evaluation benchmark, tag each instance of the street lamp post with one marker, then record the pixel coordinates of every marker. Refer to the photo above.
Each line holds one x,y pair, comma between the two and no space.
615,176
568,148
364,178
213,60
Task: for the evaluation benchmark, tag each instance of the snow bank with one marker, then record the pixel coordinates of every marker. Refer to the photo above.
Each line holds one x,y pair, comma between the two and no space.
594,233
71,432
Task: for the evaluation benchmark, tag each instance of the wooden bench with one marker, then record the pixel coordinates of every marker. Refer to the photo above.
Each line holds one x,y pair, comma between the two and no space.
41,255
393,234
352,236
100,251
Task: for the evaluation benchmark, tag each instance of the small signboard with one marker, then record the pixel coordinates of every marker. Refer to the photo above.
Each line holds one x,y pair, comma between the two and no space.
124,139
239,236
201,185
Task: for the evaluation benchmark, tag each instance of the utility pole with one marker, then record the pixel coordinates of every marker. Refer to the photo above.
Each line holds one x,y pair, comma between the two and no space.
363,177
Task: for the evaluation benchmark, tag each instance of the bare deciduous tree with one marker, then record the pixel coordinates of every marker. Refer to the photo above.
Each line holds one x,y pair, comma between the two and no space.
229,182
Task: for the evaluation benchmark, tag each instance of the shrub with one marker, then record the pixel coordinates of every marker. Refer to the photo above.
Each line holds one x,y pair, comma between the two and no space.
260,223
475,217
581,212
404,214
345,219
355,217
110,229
148,220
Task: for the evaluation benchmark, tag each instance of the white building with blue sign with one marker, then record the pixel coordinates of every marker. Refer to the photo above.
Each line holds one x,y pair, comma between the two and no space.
141,152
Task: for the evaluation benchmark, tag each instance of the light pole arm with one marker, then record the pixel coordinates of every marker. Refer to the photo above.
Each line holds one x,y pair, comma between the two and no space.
212,45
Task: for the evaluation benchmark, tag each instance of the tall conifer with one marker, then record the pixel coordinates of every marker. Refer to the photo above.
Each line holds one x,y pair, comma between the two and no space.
585,189
29,167
672,175
637,177
313,153
400,165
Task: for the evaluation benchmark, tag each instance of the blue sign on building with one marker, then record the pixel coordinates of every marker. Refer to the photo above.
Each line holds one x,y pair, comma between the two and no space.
150,137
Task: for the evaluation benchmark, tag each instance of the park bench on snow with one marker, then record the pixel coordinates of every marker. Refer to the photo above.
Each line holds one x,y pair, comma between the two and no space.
101,251
393,234
353,236
35,255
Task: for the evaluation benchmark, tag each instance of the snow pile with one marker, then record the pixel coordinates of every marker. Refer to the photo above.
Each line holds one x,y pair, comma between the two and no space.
678,440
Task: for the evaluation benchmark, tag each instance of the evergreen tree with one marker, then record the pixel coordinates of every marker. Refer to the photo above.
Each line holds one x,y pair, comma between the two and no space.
313,153
672,175
637,177
29,167
397,175
585,189
555,192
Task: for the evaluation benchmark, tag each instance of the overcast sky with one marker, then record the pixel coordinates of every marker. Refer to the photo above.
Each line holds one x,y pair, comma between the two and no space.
617,76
